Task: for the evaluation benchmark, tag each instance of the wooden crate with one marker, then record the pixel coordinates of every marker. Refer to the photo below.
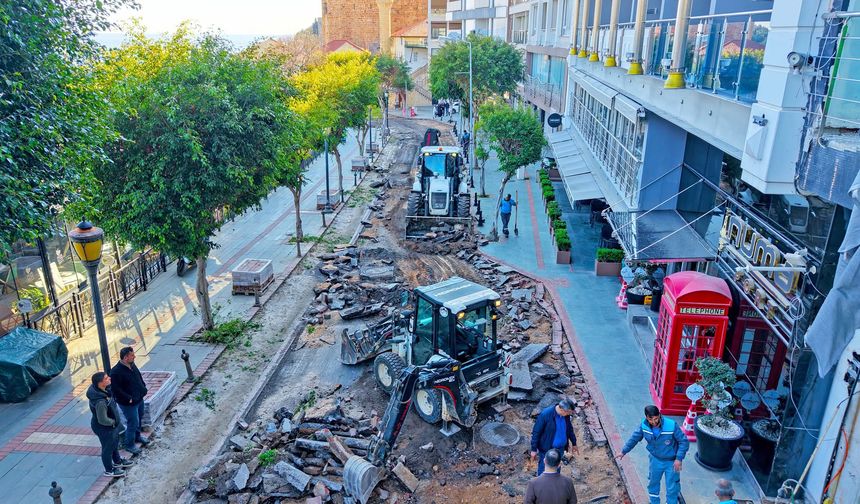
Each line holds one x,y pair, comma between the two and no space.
252,275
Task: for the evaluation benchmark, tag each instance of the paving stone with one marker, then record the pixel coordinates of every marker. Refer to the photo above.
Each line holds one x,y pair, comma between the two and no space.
522,379
531,352
240,480
293,475
405,476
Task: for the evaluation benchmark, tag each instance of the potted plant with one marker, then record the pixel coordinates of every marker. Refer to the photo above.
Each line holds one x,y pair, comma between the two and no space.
717,434
562,244
553,211
764,434
556,225
608,262
639,287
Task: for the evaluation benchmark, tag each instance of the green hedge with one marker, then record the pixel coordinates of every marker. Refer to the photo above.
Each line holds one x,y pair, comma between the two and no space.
562,240
553,210
559,225
610,255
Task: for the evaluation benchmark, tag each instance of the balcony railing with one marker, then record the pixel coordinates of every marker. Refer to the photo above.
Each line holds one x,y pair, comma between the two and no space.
723,53
519,36
537,90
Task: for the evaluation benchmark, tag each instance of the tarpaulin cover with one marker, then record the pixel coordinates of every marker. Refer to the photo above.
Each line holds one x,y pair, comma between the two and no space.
29,358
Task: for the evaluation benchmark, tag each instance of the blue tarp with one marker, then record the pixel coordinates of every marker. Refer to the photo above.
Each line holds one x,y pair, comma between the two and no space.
29,358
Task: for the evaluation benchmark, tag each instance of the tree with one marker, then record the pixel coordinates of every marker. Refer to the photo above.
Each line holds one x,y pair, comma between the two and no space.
496,68
394,74
516,136
293,54
482,155
335,96
294,156
202,138
53,124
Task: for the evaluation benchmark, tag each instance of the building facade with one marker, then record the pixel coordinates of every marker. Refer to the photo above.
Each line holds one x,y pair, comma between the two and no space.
722,135
484,17
359,21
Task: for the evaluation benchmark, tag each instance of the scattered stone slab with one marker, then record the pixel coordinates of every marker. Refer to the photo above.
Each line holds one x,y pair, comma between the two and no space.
545,372
378,272
524,324
517,396
522,294
405,476
294,476
531,352
522,379
240,479
241,443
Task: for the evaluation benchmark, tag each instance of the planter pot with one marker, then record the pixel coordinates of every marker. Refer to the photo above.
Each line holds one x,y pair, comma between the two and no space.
554,175
634,299
763,449
562,257
715,453
607,268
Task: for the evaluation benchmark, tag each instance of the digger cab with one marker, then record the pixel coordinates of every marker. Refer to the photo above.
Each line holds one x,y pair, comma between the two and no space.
456,318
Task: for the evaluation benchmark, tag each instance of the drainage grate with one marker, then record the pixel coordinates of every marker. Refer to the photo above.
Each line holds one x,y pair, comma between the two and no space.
500,434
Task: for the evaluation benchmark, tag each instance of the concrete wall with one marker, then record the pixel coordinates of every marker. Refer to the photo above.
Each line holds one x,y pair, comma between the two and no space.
664,152
849,484
358,20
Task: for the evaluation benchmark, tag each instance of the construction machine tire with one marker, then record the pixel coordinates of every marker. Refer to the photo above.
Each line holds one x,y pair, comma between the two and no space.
413,204
428,404
464,205
386,369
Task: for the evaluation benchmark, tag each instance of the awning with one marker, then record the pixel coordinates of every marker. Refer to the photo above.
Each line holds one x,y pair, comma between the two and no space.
579,182
599,91
659,236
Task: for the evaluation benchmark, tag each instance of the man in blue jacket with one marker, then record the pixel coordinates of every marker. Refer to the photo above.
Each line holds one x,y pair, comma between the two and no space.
553,430
667,445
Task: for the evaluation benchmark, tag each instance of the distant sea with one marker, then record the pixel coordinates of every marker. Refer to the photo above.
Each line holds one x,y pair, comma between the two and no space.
240,41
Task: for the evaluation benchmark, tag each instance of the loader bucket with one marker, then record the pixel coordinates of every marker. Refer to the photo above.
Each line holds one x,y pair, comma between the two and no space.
348,350
360,477
364,344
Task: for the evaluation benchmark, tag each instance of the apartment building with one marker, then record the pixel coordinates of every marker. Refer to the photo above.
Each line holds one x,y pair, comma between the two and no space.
723,136
484,17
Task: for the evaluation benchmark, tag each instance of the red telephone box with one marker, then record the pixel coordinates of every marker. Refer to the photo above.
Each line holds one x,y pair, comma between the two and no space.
694,314
756,353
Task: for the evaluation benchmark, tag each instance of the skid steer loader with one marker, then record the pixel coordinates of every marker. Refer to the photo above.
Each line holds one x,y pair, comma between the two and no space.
455,320
440,192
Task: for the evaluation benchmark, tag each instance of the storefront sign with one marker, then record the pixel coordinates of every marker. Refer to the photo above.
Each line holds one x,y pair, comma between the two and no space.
775,286
693,310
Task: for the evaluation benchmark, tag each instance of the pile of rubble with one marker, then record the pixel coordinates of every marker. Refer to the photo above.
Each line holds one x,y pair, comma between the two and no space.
444,239
298,454
358,283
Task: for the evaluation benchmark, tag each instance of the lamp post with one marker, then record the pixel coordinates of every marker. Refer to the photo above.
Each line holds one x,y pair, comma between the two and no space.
471,152
87,241
385,119
327,208
370,130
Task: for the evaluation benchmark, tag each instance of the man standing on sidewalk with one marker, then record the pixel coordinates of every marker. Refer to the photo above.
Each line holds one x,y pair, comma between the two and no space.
551,487
667,445
505,209
129,390
105,424
553,430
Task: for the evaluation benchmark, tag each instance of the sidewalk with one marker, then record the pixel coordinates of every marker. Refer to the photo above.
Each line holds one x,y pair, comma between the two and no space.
48,438
603,341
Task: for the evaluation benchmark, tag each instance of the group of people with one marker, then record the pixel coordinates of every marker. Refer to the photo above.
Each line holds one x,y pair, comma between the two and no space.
553,440
120,391
443,108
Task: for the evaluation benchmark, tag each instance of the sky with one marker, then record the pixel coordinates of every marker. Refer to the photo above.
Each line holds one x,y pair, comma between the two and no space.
247,18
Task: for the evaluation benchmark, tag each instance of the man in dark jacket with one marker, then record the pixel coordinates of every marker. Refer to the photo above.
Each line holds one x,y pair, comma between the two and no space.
129,390
667,445
551,487
105,424
553,430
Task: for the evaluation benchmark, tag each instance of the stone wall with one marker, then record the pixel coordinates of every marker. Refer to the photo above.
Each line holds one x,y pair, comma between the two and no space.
358,20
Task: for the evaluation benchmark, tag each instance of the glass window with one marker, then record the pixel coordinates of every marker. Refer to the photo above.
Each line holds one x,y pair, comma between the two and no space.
475,333
422,348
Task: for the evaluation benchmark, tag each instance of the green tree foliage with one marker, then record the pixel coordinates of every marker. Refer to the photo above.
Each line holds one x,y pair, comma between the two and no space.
336,95
200,136
496,68
395,75
516,136
52,122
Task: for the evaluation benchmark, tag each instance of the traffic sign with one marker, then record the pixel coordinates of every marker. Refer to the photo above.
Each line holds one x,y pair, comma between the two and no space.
695,392
554,120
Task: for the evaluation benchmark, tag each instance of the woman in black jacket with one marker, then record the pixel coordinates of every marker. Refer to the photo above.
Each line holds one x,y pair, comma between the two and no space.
105,424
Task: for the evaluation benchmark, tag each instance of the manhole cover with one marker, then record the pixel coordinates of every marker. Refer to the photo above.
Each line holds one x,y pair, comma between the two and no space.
500,434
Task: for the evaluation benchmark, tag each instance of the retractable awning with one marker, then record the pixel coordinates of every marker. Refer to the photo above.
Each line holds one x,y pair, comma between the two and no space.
578,179
659,236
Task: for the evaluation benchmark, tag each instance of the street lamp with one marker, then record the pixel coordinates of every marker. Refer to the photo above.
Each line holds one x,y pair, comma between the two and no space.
471,152
370,131
87,241
385,119
327,208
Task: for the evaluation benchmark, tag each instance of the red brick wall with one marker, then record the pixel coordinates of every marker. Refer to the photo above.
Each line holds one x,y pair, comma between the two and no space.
358,20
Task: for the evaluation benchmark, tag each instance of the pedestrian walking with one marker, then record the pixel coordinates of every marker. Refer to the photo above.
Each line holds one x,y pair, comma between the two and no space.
553,429
551,487
129,390
105,424
725,492
505,209
667,445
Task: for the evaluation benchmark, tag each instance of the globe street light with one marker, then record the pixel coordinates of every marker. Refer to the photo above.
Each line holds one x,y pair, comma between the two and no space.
87,241
471,152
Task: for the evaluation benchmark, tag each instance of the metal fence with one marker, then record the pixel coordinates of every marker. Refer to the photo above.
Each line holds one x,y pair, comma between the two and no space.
74,315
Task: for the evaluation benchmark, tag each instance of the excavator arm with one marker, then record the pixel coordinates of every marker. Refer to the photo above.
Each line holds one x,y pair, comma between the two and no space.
395,415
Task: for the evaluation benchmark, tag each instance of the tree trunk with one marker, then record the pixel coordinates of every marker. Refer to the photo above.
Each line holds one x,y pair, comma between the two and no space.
297,200
339,171
483,178
203,294
360,134
494,234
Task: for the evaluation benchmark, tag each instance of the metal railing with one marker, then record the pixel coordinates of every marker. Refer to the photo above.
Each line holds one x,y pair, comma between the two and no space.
538,90
519,36
74,315
837,84
724,53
